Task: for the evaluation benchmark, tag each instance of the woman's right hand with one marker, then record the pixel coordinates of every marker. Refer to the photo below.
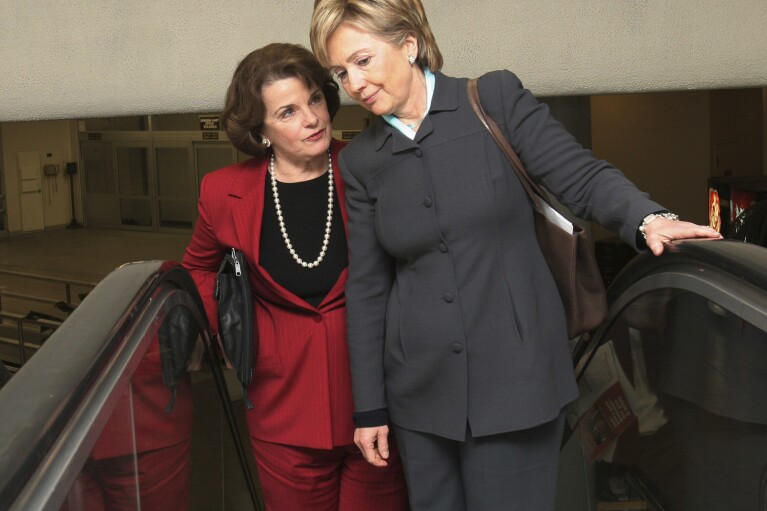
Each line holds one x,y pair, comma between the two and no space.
374,444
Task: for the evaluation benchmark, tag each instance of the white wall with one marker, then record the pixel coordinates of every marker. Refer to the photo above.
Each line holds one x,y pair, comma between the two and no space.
81,58
57,138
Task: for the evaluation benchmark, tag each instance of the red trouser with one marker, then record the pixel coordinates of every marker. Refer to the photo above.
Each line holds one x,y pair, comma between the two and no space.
110,484
339,479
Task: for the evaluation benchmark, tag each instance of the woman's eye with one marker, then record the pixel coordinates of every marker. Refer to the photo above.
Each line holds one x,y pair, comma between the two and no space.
288,112
341,75
363,62
317,98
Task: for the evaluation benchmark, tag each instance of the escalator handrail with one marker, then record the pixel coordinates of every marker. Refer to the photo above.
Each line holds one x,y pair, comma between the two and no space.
684,264
40,400
49,485
745,261
733,274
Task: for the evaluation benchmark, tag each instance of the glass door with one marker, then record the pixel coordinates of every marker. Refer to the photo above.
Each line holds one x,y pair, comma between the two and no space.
147,180
100,182
175,185
134,185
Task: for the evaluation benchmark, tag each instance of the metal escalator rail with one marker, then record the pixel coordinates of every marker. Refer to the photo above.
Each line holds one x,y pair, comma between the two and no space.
67,283
217,364
59,406
49,484
19,341
39,401
41,398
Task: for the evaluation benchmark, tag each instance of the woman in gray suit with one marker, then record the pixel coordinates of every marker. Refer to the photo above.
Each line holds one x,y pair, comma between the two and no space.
455,326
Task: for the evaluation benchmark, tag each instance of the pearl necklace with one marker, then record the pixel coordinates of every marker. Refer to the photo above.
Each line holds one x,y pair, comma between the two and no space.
283,230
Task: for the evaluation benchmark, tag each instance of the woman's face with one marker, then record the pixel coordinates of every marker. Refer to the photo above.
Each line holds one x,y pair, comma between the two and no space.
296,119
373,72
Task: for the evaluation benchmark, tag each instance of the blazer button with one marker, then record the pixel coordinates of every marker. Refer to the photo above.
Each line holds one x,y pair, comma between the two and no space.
456,347
442,247
418,153
448,297
427,201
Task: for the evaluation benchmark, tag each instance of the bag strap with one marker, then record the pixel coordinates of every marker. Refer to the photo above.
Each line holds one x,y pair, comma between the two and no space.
532,188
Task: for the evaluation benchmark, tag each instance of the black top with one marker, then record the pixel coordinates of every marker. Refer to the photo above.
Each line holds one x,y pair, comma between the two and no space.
304,211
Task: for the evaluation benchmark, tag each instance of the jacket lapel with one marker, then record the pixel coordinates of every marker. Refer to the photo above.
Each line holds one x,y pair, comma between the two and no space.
248,207
445,98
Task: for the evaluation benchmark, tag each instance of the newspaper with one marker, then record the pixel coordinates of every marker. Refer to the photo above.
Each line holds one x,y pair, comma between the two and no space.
602,422
609,403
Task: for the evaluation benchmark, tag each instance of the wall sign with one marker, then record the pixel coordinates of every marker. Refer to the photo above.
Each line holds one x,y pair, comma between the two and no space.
210,122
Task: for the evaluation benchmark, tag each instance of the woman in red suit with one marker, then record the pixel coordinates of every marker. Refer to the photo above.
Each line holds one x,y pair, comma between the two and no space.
284,209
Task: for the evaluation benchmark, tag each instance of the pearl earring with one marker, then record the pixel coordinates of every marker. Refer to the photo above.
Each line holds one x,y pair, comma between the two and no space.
266,142
411,59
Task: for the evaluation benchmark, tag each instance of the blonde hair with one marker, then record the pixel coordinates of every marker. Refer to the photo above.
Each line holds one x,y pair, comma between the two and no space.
390,20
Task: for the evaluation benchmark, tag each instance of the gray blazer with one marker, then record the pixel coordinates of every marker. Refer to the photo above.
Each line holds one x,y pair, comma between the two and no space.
453,315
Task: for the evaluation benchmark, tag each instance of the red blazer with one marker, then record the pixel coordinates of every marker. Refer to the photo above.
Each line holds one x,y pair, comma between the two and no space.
301,387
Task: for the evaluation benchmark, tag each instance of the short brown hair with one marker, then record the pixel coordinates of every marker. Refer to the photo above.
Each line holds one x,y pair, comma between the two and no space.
243,114
391,20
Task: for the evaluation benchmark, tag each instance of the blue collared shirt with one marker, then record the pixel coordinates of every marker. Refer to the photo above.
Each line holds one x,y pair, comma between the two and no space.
401,126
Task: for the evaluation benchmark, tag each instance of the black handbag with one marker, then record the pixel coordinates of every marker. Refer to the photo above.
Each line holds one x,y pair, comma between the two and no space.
566,248
236,324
